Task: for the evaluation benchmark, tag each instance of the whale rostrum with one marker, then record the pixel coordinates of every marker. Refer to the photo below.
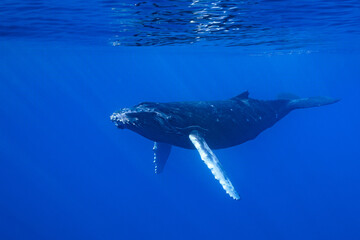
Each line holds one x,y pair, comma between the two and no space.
207,125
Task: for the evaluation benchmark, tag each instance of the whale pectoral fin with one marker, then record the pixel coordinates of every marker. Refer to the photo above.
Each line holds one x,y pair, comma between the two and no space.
161,154
213,163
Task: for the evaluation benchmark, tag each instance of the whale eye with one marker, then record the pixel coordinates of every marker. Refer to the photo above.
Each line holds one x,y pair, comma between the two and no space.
174,121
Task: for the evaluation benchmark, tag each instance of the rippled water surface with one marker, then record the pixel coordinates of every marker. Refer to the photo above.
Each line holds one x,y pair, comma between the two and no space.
303,25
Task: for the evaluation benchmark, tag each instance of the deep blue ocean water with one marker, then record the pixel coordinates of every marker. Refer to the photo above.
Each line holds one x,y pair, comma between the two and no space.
66,172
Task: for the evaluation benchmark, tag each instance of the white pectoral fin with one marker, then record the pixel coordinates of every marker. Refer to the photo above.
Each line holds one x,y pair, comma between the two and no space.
213,163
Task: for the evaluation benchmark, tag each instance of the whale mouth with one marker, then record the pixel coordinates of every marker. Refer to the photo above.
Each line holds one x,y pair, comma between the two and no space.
125,118
120,119
138,118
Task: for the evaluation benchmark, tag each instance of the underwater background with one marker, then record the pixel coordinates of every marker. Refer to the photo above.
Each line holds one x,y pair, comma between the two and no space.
66,172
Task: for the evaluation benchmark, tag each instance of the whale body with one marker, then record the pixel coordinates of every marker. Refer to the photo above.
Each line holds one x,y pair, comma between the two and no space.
207,125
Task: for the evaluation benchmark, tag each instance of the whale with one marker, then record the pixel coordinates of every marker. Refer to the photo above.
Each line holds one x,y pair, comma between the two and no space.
208,125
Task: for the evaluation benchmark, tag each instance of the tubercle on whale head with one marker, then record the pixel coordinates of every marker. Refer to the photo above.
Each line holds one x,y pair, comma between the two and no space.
132,118
139,118
125,118
120,119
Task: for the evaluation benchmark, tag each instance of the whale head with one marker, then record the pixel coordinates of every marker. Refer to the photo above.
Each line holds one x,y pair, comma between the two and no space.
144,118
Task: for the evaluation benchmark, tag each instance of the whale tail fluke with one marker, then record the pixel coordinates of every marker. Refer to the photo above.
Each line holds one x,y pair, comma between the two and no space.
311,102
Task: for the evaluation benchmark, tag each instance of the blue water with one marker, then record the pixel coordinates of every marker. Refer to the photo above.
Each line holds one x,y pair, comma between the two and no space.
66,172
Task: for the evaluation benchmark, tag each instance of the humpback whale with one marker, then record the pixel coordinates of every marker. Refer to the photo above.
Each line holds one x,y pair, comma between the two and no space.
207,125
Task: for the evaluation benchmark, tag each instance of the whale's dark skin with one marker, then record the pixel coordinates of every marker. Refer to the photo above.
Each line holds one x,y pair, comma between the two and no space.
207,125
222,124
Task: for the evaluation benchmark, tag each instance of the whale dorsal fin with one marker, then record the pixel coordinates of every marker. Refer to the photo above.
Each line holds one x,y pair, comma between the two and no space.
161,154
213,164
244,95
